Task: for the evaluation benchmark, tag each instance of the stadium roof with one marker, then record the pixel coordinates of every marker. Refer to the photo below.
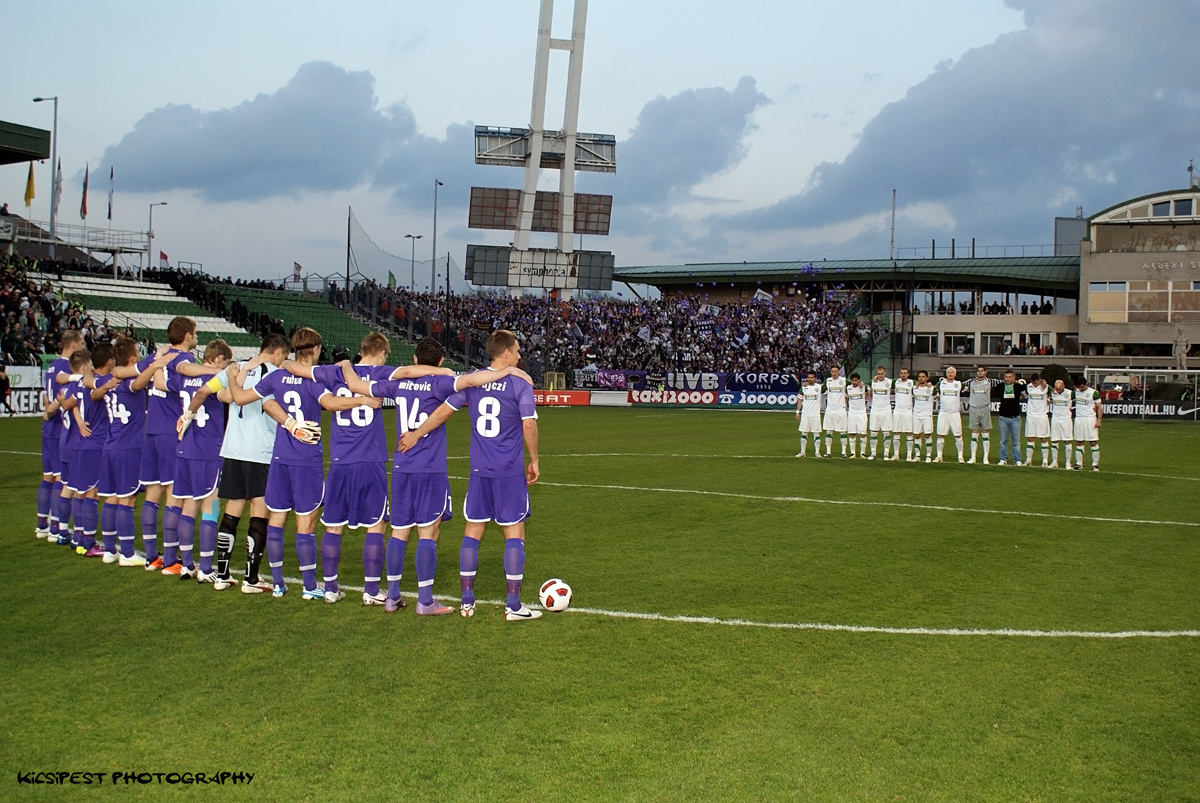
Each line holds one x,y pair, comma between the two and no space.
1051,273
20,143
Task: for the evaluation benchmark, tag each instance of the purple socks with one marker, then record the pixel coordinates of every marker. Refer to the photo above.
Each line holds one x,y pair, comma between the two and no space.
426,567
185,530
372,562
514,570
306,556
395,566
468,563
208,544
170,535
124,517
43,504
275,553
150,530
55,495
76,518
89,514
331,555
108,527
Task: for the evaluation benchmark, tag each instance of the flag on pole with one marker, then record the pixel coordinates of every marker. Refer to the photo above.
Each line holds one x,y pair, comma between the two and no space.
57,191
29,193
296,271
391,280
110,192
163,262
87,171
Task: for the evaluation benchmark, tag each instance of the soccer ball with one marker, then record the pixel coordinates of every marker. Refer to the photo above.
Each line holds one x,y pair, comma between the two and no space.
555,595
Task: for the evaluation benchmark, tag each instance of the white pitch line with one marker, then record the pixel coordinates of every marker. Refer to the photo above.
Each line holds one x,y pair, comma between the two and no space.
868,503
34,454
822,626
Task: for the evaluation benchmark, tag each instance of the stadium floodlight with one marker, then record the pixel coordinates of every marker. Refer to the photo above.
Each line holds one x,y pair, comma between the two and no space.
412,263
150,236
54,189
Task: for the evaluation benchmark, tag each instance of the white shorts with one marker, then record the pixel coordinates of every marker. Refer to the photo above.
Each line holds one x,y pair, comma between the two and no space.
881,420
950,424
856,424
835,421
1060,429
1085,430
902,421
1037,426
923,425
810,424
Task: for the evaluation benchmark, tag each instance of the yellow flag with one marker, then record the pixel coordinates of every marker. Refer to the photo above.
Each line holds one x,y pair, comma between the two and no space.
29,193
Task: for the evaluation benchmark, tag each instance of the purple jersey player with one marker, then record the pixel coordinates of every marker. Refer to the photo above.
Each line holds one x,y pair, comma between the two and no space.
82,416
49,495
197,461
420,487
296,479
125,401
503,416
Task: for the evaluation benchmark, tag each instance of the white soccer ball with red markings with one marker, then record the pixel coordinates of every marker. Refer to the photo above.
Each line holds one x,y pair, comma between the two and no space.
554,595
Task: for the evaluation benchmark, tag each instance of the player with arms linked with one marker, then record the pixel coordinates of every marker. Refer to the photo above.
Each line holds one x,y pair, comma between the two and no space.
503,416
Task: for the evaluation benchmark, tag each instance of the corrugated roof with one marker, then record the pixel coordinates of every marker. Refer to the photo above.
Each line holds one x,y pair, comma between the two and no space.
1060,273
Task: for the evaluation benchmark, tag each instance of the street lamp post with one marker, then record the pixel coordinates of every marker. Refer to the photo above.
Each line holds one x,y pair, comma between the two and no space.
433,265
412,262
53,182
150,236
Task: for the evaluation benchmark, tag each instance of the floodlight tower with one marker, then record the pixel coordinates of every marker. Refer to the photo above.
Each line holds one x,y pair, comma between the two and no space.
527,210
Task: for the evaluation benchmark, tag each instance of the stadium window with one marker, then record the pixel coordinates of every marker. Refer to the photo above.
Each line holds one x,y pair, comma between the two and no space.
993,342
1106,302
960,344
925,344
1185,302
1161,209
1183,207
1148,302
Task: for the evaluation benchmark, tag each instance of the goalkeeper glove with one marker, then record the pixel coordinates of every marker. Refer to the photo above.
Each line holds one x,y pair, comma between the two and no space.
182,424
303,431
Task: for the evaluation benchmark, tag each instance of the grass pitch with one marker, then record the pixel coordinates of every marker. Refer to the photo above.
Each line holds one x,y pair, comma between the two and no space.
682,514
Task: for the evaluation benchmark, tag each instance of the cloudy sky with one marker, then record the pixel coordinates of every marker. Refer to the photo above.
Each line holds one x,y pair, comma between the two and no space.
746,131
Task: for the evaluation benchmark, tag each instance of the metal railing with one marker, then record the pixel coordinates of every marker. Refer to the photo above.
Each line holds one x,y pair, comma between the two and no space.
85,237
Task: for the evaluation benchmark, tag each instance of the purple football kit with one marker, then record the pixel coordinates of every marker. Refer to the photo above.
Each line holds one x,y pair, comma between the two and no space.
86,452
158,449
496,489
420,488
50,491
296,481
122,456
356,488
68,434
198,454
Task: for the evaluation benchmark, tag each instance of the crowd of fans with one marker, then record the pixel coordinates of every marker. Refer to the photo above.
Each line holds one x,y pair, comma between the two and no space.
672,333
34,315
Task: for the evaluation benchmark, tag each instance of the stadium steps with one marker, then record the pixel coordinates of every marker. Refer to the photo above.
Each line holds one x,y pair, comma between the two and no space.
337,327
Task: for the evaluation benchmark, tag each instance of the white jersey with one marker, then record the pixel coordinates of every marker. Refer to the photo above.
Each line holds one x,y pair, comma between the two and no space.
950,392
1037,402
922,401
1060,405
1085,403
881,394
250,433
810,396
902,392
856,398
835,393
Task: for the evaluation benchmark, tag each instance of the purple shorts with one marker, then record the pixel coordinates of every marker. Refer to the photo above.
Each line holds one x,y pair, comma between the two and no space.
504,500
195,479
119,472
298,488
158,459
355,495
85,471
419,500
51,464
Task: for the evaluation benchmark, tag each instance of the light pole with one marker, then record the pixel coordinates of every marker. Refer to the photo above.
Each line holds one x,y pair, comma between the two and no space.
150,236
412,263
53,181
433,265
